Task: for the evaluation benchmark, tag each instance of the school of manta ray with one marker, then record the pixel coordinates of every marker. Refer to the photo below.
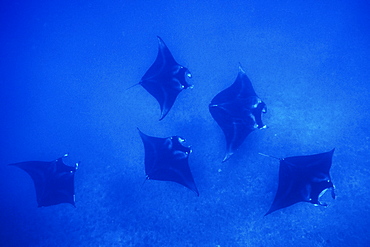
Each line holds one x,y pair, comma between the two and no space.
237,110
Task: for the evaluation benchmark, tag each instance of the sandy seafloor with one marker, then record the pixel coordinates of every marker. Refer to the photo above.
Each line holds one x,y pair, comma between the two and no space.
64,70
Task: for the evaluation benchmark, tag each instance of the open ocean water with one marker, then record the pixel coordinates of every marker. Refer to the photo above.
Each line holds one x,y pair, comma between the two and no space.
65,67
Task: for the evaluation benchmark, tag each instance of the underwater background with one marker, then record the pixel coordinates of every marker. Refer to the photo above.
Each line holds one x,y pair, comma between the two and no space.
65,67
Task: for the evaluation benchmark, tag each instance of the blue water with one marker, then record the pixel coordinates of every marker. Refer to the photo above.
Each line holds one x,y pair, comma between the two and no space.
64,70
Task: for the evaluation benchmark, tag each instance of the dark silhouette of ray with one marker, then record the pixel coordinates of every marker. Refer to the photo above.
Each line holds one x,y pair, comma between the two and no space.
166,159
238,111
303,179
165,79
54,181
